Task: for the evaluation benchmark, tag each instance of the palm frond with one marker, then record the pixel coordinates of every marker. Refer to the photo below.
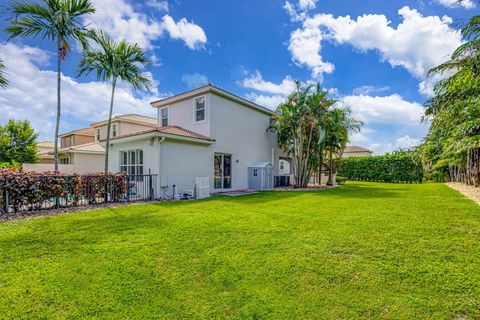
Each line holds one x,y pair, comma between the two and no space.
3,79
111,60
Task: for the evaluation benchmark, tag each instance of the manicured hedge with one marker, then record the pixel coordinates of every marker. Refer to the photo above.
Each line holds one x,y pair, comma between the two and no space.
25,191
387,168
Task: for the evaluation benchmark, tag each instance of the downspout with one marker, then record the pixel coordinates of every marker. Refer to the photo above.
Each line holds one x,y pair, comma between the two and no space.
160,163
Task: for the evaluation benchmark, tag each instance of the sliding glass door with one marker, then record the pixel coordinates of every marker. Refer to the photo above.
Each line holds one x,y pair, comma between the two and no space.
222,171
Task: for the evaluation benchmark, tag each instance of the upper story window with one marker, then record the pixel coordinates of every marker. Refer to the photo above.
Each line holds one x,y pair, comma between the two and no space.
164,117
97,134
114,130
199,108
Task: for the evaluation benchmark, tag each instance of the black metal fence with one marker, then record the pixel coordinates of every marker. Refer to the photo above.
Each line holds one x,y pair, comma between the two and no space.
76,191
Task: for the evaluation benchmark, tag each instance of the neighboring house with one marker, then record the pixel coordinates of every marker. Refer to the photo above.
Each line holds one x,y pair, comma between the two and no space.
72,139
356,151
123,125
203,133
80,150
44,147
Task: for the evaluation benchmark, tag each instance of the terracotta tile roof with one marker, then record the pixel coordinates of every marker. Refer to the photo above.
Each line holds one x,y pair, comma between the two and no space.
349,149
169,130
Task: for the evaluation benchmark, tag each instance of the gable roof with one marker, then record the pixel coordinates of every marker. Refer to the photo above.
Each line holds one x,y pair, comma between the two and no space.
210,89
172,131
46,144
350,149
131,117
82,132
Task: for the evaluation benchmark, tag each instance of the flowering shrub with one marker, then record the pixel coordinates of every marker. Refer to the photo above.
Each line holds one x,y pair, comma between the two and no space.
24,191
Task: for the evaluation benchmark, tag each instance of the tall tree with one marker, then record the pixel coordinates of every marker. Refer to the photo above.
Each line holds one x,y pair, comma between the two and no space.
113,61
308,123
18,143
339,124
451,149
59,21
3,78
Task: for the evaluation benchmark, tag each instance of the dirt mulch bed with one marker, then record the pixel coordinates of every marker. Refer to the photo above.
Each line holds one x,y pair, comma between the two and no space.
309,188
56,212
468,191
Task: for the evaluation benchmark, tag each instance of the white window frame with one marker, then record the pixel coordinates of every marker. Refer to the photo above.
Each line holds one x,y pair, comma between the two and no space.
65,160
97,134
114,130
132,167
195,109
162,117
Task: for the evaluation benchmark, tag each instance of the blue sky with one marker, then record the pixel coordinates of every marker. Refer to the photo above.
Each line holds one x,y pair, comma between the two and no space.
372,55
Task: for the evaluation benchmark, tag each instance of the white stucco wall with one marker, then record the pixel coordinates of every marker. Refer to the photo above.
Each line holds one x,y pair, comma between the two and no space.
179,163
123,128
237,130
182,114
242,132
88,163
80,163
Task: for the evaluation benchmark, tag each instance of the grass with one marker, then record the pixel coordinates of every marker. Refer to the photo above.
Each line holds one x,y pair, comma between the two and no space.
365,250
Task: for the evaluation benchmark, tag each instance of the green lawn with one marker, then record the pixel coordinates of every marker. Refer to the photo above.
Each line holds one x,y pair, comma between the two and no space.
362,251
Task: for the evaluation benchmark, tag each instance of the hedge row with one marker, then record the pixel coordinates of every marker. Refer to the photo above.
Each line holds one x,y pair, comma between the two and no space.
387,168
25,191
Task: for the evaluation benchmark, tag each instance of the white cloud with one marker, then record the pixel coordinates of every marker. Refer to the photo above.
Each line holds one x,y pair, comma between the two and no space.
384,110
159,5
256,82
120,19
467,4
305,46
194,80
307,4
31,94
298,11
366,90
417,44
406,142
192,34
267,101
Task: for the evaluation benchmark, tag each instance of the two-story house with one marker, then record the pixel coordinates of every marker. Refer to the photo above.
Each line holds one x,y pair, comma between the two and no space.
82,148
206,132
81,151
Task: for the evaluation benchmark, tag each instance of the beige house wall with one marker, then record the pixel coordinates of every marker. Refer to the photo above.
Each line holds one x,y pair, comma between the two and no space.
75,140
122,128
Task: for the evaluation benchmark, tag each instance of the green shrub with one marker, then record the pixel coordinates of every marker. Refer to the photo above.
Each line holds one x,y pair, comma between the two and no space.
341,180
386,168
29,190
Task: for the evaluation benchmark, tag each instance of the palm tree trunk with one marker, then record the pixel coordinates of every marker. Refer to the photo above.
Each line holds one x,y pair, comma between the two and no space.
57,125
107,147
330,169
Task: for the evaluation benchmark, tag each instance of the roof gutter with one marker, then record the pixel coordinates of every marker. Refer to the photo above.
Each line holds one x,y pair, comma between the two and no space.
160,135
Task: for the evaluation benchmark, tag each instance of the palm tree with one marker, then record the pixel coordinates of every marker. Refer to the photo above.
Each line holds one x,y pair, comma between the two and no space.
339,124
3,79
113,61
58,21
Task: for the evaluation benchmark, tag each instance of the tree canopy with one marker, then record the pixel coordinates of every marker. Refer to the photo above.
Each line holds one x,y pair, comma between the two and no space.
18,143
451,149
309,126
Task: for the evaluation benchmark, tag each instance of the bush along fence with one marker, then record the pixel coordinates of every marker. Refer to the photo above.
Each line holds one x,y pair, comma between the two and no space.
29,191
388,168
